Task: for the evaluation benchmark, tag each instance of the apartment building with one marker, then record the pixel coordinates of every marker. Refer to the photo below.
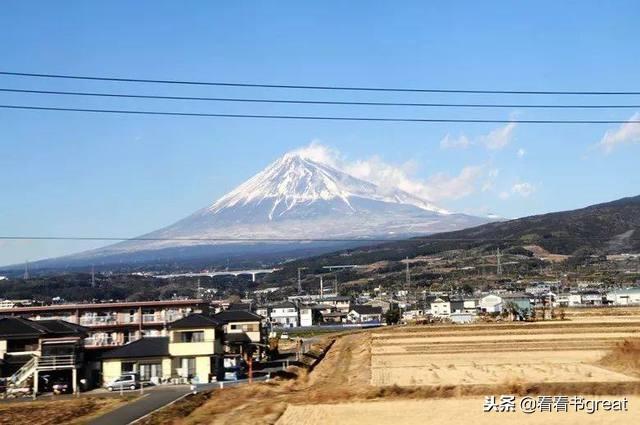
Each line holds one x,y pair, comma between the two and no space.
115,324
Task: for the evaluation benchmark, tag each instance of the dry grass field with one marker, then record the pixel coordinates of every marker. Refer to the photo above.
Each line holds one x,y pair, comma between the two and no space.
500,354
439,411
74,411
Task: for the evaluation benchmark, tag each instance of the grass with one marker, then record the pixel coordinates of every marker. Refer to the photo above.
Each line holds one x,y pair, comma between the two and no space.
74,411
624,357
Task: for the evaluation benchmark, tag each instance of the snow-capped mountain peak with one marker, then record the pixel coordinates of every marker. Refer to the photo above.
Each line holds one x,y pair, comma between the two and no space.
294,180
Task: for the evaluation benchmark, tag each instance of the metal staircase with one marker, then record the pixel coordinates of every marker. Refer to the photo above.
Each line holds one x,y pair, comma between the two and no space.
25,371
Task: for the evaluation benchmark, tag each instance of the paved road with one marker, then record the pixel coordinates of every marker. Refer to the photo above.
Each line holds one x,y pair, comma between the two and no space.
150,401
154,399
157,397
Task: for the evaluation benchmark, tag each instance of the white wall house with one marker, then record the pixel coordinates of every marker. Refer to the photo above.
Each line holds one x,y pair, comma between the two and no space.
365,314
490,304
338,302
470,305
462,318
306,316
624,296
440,308
285,315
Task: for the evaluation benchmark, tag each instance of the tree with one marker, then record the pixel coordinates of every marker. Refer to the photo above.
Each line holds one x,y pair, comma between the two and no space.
392,316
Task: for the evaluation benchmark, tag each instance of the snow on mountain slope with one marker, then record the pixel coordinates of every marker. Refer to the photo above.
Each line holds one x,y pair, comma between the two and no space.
298,198
293,180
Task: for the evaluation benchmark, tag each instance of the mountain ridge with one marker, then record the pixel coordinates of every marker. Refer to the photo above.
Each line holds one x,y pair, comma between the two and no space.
294,197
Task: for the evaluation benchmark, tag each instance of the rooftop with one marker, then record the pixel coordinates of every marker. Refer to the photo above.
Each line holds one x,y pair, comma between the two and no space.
144,347
236,316
194,321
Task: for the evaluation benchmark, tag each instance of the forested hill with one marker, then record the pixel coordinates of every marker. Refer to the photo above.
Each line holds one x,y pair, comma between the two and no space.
612,227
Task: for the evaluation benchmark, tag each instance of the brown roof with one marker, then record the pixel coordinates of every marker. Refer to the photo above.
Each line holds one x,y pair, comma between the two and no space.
94,306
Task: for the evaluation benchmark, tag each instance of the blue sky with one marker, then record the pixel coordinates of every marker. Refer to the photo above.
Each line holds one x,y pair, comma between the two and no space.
110,175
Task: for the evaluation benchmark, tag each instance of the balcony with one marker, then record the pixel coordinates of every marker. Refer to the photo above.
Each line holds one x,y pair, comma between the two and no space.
133,318
100,342
56,362
151,318
98,321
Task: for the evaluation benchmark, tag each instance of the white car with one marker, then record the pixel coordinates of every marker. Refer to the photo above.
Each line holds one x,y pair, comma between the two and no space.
124,382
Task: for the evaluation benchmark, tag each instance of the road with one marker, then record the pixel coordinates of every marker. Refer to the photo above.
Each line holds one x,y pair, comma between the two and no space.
157,397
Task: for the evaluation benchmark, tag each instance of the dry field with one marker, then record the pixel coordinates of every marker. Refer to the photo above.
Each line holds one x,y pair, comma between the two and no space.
441,411
557,352
74,411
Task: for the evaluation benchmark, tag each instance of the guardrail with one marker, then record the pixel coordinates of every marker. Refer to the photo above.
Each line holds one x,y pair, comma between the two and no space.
55,362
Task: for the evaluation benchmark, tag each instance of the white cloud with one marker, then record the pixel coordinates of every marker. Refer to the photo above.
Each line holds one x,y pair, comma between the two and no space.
442,186
450,142
499,138
627,133
494,140
437,187
523,189
490,182
318,152
521,153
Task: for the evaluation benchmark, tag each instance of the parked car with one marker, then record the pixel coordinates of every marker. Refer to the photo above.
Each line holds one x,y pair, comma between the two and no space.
60,386
129,381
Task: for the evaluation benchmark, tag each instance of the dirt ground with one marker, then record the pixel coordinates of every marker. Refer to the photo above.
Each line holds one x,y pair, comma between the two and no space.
68,411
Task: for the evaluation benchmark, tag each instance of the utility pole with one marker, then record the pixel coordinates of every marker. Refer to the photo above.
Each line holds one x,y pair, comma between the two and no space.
499,270
93,277
408,277
299,279
26,270
321,288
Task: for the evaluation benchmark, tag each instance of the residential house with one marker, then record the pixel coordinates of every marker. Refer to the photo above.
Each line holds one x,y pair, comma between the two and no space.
31,349
191,353
518,305
624,296
339,303
365,314
462,318
243,333
569,300
470,305
591,298
440,308
490,304
147,356
284,315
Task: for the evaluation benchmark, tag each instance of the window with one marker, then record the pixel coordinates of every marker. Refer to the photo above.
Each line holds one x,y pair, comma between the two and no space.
150,370
185,366
193,336
127,367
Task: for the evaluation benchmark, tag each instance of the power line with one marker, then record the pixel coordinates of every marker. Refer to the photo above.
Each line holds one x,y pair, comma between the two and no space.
321,102
310,239
318,87
317,117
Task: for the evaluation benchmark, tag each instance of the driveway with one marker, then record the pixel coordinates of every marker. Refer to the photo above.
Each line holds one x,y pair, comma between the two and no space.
152,399
155,398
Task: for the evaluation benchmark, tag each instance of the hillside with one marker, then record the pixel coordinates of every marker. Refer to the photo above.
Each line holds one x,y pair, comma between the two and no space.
606,228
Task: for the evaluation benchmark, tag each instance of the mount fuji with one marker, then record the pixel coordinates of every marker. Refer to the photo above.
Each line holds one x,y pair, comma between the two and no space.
295,197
